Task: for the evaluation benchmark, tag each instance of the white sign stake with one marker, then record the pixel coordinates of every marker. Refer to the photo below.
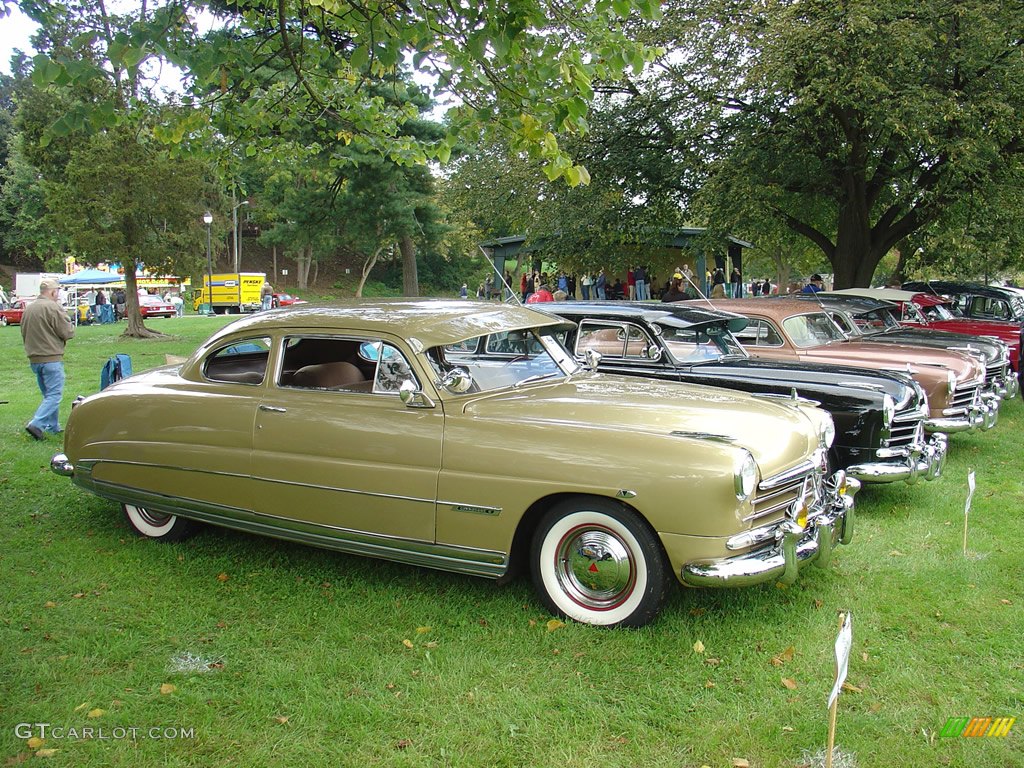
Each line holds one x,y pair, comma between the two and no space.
843,644
967,507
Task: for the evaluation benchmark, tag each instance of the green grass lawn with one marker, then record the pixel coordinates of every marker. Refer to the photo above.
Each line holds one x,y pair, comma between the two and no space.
257,652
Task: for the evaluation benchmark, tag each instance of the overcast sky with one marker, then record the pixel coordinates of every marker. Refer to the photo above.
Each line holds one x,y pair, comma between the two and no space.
15,31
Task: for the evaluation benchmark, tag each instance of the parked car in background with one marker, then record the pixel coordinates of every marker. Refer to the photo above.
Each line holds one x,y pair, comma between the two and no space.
982,302
877,320
287,300
441,433
11,315
936,313
879,416
794,329
155,306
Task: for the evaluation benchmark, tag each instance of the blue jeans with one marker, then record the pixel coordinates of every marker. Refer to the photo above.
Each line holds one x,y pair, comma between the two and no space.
50,377
641,290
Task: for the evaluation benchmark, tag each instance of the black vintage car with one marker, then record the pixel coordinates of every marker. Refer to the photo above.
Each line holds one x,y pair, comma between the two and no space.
877,320
878,416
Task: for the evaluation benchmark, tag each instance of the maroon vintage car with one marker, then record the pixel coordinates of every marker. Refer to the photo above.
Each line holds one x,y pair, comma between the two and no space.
11,315
936,313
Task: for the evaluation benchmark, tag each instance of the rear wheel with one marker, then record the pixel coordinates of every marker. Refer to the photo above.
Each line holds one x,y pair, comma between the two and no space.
599,563
3,319
157,525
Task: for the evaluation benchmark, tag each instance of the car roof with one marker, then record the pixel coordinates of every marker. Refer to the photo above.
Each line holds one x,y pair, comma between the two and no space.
954,286
849,303
669,314
432,322
779,309
885,294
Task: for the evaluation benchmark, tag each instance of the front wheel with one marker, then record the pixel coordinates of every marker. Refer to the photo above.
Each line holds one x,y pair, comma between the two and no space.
3,320
599,563
157,525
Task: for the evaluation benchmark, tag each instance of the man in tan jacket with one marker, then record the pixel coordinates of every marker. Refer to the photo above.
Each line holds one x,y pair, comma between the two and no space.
45,329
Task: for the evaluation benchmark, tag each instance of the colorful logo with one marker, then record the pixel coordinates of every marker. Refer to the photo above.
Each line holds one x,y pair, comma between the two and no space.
974,727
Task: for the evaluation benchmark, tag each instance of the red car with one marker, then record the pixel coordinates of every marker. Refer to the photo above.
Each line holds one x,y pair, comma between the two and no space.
154,306
926,310
12,315
287,300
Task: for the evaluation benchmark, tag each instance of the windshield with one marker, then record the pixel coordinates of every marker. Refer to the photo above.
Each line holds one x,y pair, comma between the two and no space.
876,321
507,359
701,345
811,330
937,312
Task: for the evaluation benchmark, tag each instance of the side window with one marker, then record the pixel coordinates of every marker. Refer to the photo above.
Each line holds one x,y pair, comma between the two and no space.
240,362
608,339
391,369
325,362
759,333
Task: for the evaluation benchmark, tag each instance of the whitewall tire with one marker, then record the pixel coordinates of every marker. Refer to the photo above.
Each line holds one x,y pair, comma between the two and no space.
157,525
598,562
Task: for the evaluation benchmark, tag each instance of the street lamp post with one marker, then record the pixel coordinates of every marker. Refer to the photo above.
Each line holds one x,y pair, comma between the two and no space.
208,220
234,230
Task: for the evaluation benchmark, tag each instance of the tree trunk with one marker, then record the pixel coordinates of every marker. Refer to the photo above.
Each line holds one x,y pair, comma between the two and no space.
367,267
857,252
303,261
136,327
410,277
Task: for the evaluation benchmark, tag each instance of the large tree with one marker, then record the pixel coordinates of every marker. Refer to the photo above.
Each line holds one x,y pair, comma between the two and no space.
854,123
523,67
129,201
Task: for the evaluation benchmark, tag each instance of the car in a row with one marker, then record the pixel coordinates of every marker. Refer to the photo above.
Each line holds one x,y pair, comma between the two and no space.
463,436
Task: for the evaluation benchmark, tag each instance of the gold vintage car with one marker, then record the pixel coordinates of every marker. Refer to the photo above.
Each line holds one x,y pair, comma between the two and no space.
373,429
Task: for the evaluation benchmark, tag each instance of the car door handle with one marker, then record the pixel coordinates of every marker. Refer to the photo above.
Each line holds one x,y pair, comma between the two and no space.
273,408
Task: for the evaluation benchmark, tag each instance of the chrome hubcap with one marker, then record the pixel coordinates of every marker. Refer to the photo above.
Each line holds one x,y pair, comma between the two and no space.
594,568
156,519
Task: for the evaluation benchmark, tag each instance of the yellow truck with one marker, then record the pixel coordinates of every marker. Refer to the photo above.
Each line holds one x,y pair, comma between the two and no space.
233,292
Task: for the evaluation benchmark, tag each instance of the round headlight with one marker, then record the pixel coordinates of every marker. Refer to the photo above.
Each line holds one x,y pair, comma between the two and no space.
745,475
950,382
828,430
888,411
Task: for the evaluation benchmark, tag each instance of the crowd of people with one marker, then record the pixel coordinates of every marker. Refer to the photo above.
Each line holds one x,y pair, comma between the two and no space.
641,285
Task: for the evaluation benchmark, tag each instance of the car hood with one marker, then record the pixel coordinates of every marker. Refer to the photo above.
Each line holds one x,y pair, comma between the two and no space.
899,357
956,342
779,434
808,378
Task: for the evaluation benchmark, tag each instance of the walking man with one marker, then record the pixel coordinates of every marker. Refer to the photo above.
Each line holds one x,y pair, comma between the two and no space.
45,329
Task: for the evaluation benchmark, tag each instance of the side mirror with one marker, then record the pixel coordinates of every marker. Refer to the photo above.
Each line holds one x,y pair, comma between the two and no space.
592,358
457,380
412,397
653,353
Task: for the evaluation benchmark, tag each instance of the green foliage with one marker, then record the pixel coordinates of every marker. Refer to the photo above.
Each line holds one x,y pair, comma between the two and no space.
125,200
525,68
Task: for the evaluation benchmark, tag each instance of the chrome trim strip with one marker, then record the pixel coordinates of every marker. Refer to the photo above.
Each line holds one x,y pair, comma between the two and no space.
87,465
476,562
704,436
790,475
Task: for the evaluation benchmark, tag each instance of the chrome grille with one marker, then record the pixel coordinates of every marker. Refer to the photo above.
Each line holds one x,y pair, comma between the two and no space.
775,495
907,428
994,372
963,399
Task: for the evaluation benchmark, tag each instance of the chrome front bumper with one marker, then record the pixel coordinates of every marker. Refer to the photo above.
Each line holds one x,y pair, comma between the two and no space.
793,548
981,416
919,461
60,465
